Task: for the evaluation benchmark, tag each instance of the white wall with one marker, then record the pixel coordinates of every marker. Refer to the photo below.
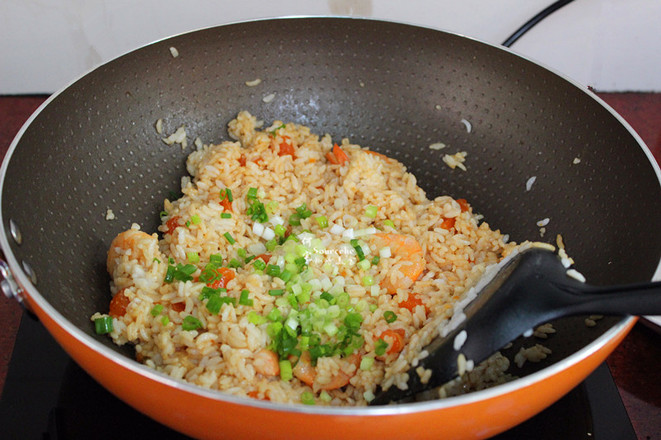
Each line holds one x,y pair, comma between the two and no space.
611,45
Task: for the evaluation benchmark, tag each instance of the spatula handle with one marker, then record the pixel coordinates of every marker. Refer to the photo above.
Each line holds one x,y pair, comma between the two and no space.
632,299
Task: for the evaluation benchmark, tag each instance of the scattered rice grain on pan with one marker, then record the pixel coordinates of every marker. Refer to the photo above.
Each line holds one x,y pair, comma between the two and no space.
530,182
254,82
544,330
437,146
174,52
271,276
110,215
456,160
536,353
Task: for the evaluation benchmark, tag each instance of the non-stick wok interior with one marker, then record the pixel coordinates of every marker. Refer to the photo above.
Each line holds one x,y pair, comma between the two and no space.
392,87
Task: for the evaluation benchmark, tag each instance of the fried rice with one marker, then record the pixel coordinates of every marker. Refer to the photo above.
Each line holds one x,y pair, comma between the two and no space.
295,269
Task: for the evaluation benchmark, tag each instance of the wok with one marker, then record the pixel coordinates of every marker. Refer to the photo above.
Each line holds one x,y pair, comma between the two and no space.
393,87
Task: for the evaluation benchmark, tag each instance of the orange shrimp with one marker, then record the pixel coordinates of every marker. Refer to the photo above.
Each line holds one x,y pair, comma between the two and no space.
266,363
124,241
306,373
412,260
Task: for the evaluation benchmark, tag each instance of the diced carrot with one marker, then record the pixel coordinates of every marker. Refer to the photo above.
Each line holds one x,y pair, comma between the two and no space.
340,155
412,302
464,205
118,304
172,224
448,223
286,147
264,257
226,275
394,338
226,204
242,161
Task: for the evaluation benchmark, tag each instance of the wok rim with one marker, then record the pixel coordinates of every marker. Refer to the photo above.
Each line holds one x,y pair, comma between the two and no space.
134,366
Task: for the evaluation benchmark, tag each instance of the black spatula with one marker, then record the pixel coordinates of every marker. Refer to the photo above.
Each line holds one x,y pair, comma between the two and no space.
530,288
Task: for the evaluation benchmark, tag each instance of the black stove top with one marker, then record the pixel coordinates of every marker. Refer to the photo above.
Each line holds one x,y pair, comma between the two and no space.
48,397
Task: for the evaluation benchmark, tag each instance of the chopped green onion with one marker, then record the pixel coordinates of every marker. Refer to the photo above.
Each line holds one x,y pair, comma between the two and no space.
195,219
216,259
285,275
366,363
256,319
273,270
241,252
324,396
193,257
322,221
286,371
207,292
368,280
234,263
156,310
389,223
259,264
274,315
328,297
307,397
249,259
228,192
380,347
163,214
225,215
165,320
271,206
156,260
364,264
229,237
213,304
389,316
244,299
252,193
376,260
191,323
303,211
295,219
187,223
271,244
280,230
103,325
371,211
276,292
359,252
169,275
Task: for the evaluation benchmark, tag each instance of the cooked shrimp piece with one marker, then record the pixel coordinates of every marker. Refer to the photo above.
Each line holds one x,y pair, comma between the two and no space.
266,363
306,373
134,240
411,264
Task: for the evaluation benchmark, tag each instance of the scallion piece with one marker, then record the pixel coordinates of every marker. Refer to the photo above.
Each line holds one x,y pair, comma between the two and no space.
366,363
252,193
322,221
389,223
273,270
295,219
274,315
191,323
285,275
286,371
307,398
229,237
156,310
389,316
259,264
165,320
280,230
376,260
241,253
216,259
380,347
276,292
228,192
364,264
244,299
163,214
368,280
213,305
103,325
225,215
256,319
234,263
359,252
195,219
371,211
271,244
303,211
193,257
